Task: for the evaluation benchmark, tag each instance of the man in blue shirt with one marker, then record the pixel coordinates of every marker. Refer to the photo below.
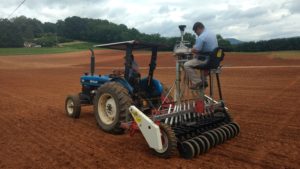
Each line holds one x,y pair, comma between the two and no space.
206,42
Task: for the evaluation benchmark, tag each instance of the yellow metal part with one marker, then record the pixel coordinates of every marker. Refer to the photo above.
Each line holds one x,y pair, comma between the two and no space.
136,117
219,53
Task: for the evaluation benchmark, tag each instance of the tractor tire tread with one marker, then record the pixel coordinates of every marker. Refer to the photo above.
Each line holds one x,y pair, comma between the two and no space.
123,100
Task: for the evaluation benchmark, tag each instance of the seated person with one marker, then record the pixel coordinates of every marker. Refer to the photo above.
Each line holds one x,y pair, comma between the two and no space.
206,42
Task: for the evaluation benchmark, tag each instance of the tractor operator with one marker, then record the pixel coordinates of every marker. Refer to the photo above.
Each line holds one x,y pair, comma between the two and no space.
206,42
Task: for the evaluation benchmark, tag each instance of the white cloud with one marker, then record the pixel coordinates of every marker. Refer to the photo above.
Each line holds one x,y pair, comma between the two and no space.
245,20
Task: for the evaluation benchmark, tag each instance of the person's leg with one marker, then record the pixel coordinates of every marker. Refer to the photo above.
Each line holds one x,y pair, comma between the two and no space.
190,71
205,74
203,83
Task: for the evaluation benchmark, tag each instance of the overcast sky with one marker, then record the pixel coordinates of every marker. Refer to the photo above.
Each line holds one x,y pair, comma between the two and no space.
242,19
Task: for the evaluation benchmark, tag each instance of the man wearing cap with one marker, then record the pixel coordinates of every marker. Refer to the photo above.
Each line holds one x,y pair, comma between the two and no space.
206,42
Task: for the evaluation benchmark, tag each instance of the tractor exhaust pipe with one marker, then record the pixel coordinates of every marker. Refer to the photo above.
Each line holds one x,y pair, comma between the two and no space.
92,62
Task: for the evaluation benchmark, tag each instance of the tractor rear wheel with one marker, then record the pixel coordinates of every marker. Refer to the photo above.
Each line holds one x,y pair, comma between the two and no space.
169,142
72,106
111,105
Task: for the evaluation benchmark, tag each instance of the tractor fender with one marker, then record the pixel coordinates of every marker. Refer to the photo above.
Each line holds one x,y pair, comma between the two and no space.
155,90
124,83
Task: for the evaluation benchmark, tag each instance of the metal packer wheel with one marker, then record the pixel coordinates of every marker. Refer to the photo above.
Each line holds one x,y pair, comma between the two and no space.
223,134
206,142
220,136
186,150
237,127
234,129
216,137
227,131
210,138
196,147
230,129
201,145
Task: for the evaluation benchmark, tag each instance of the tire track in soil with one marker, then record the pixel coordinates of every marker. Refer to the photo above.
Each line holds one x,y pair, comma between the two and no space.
36,137
143,147
133,152
38,132
75,133
50,125
261,121
261,154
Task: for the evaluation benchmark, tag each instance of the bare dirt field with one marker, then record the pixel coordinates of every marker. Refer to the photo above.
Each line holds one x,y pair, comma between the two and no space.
263,94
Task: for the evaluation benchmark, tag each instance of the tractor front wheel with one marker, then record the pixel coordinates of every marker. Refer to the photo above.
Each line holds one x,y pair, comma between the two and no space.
73,106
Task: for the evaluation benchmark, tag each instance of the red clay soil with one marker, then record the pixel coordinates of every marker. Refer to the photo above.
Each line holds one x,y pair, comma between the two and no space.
36,133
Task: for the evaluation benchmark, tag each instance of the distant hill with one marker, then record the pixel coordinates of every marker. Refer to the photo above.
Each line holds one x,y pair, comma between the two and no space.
234,41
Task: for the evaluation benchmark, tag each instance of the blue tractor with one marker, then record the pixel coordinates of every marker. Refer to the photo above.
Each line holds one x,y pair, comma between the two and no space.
113,94
192,123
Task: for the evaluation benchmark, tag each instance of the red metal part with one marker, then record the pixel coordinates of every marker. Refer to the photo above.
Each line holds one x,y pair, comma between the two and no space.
199,107
155,112
166,101
134,128
206,72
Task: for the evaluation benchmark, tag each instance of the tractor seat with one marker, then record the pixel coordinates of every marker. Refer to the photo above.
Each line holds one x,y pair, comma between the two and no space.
211,60
134,74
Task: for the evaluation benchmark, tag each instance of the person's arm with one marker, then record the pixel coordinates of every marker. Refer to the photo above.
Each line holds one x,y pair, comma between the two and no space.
194,50
198,45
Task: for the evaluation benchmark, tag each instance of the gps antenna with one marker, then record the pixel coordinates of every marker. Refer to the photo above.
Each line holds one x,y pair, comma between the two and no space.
182,27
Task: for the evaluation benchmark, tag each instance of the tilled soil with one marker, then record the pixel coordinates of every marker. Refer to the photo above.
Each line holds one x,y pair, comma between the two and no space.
262,94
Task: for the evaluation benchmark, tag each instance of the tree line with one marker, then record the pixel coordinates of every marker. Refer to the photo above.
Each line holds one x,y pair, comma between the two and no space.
292,43
16,31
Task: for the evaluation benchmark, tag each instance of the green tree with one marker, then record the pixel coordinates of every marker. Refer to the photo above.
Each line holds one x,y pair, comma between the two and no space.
75,28
49,27
30,28
10,35
270,45
47,40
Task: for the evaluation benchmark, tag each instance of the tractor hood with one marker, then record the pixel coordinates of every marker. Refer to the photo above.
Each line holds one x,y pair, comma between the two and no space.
94,80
